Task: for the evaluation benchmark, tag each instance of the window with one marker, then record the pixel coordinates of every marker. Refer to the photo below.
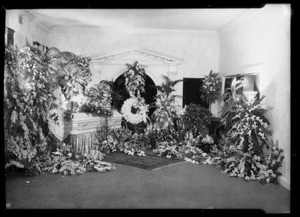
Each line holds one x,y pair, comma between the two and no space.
9,36
250,84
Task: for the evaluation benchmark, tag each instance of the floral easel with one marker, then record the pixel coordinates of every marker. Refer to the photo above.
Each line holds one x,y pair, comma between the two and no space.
211,88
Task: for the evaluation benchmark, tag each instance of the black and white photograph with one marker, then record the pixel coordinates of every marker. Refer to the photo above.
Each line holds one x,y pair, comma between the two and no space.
148,108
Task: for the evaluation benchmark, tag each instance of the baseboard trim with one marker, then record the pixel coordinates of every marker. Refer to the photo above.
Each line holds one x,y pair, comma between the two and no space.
285,183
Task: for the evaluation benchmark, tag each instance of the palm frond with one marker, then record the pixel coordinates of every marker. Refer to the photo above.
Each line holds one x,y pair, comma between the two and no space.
177,81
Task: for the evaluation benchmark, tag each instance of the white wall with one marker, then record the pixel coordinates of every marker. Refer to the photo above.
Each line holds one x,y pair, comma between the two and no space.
265,39
200,50
29,30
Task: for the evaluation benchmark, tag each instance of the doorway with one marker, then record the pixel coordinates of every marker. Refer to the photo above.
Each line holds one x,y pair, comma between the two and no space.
192,92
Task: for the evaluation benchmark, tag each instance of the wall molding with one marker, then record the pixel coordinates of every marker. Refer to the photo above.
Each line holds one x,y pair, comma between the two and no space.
241,19
37,21
165,58
96,30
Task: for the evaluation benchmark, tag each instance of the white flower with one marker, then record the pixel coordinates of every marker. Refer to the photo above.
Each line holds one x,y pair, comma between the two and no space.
140,116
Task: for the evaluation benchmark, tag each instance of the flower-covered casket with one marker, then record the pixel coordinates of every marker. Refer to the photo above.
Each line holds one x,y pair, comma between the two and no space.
84,126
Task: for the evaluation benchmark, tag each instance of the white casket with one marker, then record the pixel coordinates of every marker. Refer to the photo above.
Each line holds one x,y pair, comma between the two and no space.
84,126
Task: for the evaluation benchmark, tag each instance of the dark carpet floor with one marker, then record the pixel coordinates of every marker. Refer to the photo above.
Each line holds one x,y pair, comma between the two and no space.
181,185
149,162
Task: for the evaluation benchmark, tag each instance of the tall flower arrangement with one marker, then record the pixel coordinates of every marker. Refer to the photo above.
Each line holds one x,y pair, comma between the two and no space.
31,79
134,109
135,79
29,85
243,149
251,127
211,88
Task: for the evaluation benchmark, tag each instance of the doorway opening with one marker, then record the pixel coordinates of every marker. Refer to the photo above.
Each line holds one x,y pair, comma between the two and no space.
192,92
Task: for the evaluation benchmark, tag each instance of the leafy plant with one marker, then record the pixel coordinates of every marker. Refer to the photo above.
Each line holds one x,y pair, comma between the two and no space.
30,84
196,119
116,94
73,73
248,165
165,113
98,100
250,127
65,162
235,97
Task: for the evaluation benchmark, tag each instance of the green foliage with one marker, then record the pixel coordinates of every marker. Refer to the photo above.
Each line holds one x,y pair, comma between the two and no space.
29,87
236,98
247,165
119,139
72,71
65,161
250,127
111,139
247,129
211,88
168,86
98,100
196,119
30,83
116,94
135,79
165,113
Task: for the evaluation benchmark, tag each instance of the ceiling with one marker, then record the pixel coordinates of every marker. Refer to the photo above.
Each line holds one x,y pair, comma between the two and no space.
160,19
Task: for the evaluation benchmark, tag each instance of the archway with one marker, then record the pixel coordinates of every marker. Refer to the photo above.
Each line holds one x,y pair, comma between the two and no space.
149,95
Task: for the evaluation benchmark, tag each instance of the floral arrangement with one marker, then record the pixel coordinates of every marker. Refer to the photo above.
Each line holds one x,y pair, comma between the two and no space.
134,110
242,150
212,85
251,127
65,162
133,152
135,79
98,100
120,139
247,165
73,73
186,150
196,119
28,98
207,139
30,84
206,143
168,149
110,139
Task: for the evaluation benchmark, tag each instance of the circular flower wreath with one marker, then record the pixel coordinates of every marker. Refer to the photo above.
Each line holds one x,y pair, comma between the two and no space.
135,110
211,87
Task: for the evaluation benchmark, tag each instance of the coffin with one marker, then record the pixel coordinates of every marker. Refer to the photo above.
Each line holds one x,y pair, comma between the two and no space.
84,126
86,123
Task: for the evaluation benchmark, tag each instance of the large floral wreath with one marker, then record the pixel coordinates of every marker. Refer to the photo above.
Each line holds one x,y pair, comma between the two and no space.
135,110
